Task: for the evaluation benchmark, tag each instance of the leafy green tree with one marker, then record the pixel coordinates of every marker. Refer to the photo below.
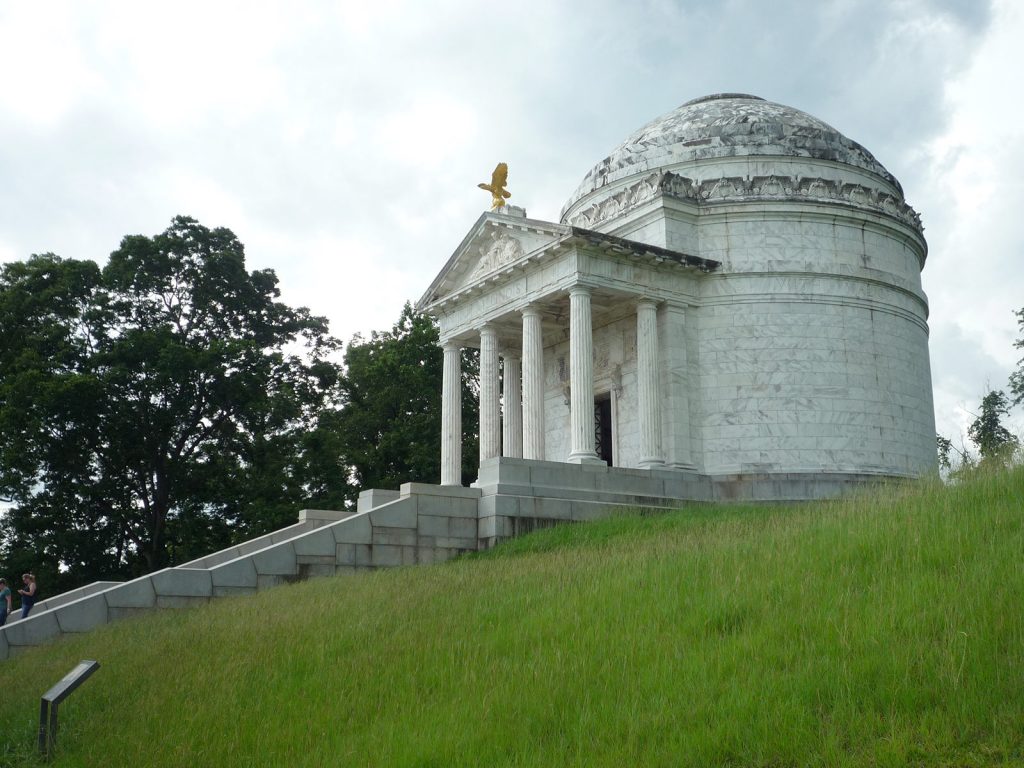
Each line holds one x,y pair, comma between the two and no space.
954,462
155,409
987,430
389,429
944,446
1017,377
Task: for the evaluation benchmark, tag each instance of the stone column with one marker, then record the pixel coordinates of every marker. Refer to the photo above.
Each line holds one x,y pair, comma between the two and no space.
676,441
451,415
581,377
648,384
512,422
533,385
490,407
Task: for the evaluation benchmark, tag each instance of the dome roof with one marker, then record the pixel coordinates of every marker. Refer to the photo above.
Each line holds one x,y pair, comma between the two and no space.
726,125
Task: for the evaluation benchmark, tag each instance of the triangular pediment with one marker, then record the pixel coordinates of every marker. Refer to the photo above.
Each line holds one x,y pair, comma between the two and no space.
495,243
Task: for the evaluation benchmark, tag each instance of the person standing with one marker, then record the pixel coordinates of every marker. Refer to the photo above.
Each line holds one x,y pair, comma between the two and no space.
5,601
28,594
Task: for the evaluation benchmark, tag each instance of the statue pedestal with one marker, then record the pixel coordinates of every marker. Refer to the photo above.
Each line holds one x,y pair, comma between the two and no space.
512,210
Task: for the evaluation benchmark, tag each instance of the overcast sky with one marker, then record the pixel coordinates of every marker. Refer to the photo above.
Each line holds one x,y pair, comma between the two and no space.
342,141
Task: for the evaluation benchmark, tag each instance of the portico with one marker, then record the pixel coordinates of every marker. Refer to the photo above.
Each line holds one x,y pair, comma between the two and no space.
561,316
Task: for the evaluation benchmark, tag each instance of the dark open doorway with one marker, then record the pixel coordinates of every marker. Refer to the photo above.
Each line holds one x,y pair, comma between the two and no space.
603,427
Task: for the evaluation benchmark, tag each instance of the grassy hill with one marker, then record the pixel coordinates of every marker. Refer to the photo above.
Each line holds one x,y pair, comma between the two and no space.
884,630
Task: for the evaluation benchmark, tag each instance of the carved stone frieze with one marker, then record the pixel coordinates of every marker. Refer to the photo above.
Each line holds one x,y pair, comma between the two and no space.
816,188
679,187
503,249
725,187
771,186
738,188
623,200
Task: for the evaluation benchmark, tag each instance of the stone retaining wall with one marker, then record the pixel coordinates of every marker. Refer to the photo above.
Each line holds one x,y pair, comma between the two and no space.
417,525
425,524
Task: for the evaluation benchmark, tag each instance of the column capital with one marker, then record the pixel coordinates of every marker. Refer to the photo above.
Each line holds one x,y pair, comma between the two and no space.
674,305
580,290
449,344
647,301
530,310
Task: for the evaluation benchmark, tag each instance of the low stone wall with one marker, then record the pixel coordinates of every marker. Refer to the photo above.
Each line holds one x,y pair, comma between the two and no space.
64,598
791,486
416,525
425,524
305,524
520,495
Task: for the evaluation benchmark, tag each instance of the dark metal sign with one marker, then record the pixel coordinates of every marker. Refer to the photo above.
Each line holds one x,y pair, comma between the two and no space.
53,697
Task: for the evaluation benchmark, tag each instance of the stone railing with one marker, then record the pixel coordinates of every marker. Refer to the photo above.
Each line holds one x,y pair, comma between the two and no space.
424,524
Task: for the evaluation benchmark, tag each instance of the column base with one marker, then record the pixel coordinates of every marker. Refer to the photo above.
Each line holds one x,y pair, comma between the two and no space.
651,463
585,458
685,465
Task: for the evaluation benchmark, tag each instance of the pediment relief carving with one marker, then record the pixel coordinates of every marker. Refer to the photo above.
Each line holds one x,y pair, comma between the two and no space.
490,250
502,249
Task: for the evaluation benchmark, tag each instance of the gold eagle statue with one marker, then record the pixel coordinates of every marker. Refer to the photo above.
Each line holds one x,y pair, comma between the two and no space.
497,186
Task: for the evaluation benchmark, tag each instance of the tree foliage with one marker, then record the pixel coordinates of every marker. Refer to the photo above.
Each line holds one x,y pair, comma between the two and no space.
157,408
389,428
987,430
944,447
1017,377
996,444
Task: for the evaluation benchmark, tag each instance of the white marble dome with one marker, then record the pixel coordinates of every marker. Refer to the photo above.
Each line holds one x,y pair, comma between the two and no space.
708,134
807,346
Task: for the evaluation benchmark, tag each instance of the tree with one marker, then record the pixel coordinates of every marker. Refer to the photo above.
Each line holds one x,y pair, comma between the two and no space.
987,430
389,429
1017,377
954,462
944,446
155,409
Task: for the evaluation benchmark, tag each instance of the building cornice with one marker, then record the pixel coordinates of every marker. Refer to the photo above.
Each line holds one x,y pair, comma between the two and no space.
733,189
504,260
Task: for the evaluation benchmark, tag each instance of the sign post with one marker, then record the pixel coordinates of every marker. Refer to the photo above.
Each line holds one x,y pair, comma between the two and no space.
53,697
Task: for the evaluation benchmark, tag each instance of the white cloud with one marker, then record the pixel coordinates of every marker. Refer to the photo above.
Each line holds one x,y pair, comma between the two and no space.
44,65
972,202
342,141
352,278
424,135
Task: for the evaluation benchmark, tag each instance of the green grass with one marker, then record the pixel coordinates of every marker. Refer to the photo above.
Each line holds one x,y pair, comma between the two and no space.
885,630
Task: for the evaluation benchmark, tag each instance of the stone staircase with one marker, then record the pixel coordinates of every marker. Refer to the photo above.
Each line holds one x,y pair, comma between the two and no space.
418,524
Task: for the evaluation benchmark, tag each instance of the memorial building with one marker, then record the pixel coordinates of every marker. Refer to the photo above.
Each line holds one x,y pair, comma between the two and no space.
730,306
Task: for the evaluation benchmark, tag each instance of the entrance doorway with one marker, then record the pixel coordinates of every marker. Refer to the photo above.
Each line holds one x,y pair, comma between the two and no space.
603,427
